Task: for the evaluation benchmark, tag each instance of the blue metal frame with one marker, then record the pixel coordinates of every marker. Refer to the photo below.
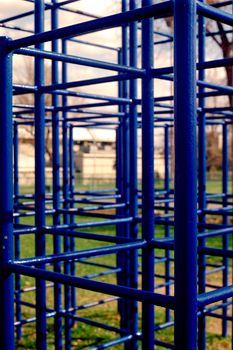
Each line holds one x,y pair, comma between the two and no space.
6,199
160,234
185,239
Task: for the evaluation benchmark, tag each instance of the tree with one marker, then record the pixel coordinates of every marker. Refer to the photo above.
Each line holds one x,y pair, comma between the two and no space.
25,75
213,151
224,41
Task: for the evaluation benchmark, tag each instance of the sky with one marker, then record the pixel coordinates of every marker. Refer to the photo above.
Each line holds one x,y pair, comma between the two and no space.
112,37
10,8
163,57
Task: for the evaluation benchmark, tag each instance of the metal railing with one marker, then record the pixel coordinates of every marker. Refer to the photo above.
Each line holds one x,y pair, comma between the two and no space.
160,237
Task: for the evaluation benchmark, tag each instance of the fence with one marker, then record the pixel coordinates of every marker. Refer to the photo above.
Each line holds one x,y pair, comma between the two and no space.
159,246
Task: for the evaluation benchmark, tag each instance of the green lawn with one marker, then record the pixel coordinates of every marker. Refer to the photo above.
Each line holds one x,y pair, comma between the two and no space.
84,335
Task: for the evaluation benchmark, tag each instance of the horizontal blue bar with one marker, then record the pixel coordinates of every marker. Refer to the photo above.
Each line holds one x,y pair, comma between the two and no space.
160,10
80,254
101,287
214,296
215,14
79,60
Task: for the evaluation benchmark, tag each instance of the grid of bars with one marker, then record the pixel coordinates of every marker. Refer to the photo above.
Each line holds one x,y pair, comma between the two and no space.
159,245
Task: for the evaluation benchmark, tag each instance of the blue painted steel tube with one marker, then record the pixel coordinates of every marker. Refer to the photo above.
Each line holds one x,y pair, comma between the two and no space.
16,163
167,228
214,13
126,168
120,184
147,178
185,176
225,238
41,342
158,10
67,240
6,200
133,125
70,245
87,62
215,295
81,254
56,182
102,287
201,176
17,237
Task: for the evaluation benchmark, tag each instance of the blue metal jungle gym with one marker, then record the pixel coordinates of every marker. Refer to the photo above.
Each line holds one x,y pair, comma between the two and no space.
151,249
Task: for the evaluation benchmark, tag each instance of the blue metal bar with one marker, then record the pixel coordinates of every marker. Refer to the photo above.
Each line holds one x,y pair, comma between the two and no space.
41,341
214,13
70,244
125,323
83,42
185,176
93,236
201,176
6,202
70,10
65,154
126,207
13,18
94,81
133,180
158,11
106,288
66,159
156,72
215,296
120,186
147,178
66,256
225,238
113,342
16,221
167,228
101,46
79,60
56,182
97,324
222,3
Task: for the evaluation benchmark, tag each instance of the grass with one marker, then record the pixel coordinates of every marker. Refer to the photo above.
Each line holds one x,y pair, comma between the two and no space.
85,335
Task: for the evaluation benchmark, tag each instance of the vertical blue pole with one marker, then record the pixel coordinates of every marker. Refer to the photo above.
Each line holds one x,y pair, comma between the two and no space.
133,125
65,148
147,178
126,169
56,183
40,182
67,267
125,122
167,228
71,165
225,239
120,190
185,176
16,164
69,243
119,149
201,178
166,160
65,194
17,237
6,201
71,161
